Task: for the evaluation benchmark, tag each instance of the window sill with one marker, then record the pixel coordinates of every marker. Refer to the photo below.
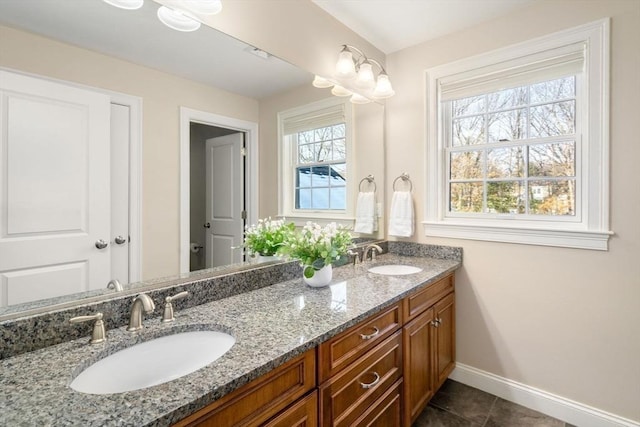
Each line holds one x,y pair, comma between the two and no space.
593,240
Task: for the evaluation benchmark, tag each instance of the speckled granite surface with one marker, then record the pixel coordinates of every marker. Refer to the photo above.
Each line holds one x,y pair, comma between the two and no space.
37,331
271,325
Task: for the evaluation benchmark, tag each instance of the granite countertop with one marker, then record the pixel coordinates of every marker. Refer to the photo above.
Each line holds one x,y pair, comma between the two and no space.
271,325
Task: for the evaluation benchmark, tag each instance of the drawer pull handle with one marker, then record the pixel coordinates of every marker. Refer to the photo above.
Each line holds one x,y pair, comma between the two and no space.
376,331
372,383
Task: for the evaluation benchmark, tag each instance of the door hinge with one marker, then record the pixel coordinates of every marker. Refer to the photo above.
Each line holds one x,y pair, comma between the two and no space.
244,214
243,152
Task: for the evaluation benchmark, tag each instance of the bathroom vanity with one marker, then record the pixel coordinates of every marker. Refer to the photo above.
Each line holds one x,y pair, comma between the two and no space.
368,349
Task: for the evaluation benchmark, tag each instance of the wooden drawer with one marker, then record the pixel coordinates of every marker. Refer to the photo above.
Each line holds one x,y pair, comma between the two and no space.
341,350
421,300
303,413
387,411
348,395
261,399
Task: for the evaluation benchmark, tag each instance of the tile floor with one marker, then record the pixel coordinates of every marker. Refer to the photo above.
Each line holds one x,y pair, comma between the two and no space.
458,405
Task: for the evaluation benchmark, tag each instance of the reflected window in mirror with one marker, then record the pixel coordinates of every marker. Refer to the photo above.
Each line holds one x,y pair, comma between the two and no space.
315,160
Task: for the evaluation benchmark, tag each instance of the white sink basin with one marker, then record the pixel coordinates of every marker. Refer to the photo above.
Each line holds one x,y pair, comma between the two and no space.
153,362
395,270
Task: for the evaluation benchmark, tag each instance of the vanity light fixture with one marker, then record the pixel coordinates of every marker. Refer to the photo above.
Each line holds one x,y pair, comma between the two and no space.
354,76
179,20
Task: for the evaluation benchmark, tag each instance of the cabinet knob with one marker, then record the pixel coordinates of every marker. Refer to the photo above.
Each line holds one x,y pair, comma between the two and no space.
375,381
376,331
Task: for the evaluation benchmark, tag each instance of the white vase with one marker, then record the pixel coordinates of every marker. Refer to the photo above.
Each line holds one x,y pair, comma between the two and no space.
320,278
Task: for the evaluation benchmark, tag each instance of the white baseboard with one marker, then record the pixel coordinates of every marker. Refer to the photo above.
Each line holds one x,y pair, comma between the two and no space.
555,406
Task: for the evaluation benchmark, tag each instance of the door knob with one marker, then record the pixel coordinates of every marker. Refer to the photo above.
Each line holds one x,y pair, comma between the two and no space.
207,225
120,240
101,244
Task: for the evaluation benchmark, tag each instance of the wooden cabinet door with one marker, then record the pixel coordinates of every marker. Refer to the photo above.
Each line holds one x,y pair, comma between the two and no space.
445,342
418,342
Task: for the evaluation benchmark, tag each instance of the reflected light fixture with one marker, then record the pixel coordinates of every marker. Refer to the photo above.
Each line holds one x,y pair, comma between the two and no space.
177,19
126,4
354,76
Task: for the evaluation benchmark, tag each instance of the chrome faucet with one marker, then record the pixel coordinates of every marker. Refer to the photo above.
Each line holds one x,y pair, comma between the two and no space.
374,248
141,302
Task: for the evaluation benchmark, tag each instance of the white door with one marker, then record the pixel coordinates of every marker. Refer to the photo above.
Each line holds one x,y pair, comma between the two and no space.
54,189
224,199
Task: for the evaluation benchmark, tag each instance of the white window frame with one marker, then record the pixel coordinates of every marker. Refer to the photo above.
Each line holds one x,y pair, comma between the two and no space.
591,229
287,162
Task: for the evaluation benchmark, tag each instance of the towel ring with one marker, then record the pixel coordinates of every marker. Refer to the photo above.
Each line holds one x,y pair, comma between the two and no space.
405,178
370,180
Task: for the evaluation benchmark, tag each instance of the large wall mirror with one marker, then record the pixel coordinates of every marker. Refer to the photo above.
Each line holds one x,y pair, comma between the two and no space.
219,85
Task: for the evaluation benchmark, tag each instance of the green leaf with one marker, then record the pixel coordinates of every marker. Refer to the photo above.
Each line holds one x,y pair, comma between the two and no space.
309,271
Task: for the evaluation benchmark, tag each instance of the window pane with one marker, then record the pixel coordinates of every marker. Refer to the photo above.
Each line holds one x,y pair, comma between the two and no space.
553,119
552,159
552,197
505,162
505,197
303,199
339,149
305,153
320,198
305,137
507,98
322,134
466,165
338,131
468,106
468,131
338,174
466,197
338,198
320,176
553,90
508,125
323,150
303,177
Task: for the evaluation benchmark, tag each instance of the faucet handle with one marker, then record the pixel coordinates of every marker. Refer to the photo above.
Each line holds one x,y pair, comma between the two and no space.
99,334
167,316
355,255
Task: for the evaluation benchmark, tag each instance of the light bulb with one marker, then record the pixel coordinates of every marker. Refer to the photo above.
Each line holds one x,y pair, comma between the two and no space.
177,20
204,7
356,98
321,82
340,91
126,4
345,67
365,79
383,87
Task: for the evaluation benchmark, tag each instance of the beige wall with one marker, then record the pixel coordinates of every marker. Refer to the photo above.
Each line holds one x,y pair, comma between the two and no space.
162,96
563,320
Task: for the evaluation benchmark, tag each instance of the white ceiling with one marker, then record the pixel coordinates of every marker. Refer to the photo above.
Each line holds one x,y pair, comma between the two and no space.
206,55
392,25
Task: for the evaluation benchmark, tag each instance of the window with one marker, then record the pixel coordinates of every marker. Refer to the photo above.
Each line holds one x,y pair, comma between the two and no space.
513,151
315,151
518,143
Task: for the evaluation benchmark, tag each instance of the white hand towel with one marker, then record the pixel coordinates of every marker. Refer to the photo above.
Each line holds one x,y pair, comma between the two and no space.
366,218
401,215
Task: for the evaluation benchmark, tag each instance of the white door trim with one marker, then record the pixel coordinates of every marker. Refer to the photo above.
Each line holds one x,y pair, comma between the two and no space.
188,115
135,164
